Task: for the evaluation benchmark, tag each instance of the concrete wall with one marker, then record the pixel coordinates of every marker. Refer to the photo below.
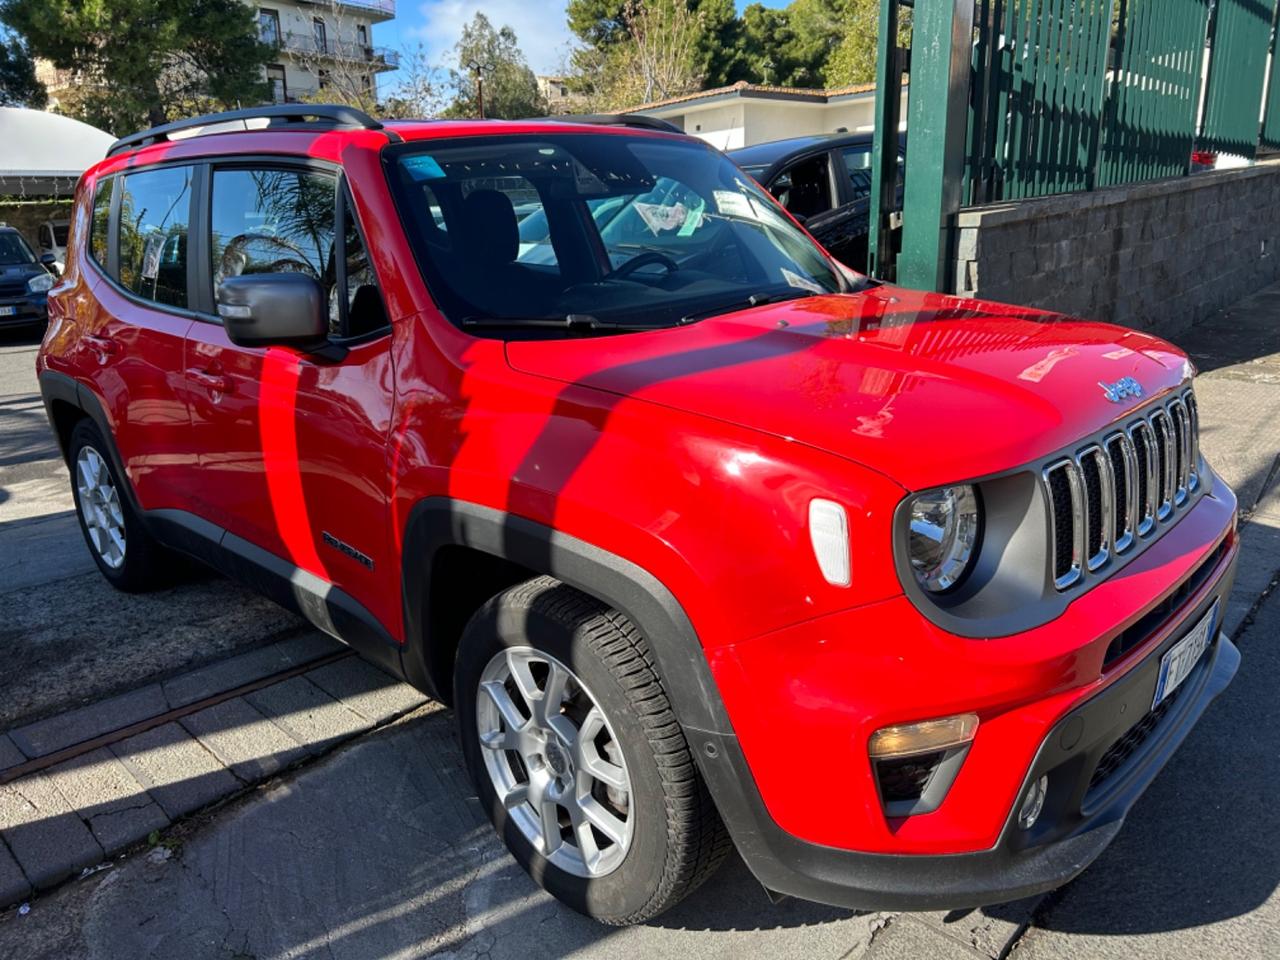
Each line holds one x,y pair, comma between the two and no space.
1155,256
735,122
27,217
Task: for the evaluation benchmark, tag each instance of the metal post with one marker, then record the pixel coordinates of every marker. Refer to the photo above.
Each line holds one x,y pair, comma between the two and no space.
937,120
890,64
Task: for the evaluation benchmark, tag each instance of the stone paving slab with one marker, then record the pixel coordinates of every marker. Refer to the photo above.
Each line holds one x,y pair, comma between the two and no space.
109,798
989,930
179,773
905,939
13,882
368,691
44,833
308,714
244,740
248,667
10,755
64,730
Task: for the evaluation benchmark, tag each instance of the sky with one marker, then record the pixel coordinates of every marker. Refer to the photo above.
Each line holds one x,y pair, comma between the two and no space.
540,27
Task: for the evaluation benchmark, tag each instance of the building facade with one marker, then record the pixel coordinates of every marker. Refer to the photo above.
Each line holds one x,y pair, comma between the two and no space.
319,43
746,114
323,43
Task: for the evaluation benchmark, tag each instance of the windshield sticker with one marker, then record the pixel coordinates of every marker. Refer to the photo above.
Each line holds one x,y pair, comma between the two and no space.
423,166
151,256
733,204
659,218
801,283
694,220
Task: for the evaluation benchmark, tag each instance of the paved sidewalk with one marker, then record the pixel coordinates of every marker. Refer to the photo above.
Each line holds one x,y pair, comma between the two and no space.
196,743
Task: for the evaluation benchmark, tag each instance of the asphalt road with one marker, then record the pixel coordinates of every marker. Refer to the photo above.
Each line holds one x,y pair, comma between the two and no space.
379,850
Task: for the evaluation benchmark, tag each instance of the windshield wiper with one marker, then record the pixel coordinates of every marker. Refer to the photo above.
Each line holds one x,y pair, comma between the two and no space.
755,300
572,321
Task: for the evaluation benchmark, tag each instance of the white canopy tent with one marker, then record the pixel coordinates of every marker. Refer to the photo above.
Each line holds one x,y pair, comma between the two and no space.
43,154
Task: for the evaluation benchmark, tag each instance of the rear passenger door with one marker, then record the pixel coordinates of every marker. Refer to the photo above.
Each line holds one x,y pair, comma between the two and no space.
293,445
135,323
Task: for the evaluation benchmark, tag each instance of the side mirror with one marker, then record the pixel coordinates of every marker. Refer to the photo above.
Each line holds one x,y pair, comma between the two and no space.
50,262
262,309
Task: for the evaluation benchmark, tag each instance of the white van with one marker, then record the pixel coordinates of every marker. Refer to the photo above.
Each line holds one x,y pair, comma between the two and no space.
52,238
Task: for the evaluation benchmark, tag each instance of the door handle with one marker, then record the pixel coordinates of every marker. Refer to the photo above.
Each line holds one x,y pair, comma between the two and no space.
213,382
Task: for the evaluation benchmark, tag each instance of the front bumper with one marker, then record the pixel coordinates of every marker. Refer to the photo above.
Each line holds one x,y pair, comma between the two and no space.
1076,826
29,309
798,792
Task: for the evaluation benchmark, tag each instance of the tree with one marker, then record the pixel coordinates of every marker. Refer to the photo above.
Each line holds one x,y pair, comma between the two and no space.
143,62
18,84
854,60
664,48
416,93
492,59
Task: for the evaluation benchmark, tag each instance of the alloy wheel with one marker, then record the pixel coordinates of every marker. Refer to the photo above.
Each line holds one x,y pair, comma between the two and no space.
554,762
100,507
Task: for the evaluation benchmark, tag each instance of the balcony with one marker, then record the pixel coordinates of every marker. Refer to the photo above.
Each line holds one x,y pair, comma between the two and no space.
375,10
305,46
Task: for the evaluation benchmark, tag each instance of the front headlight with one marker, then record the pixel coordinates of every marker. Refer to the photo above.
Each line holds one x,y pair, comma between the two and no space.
40,284
945,526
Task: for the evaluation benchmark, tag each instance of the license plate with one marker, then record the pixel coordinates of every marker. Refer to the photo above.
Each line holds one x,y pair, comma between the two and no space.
8,311
1176,665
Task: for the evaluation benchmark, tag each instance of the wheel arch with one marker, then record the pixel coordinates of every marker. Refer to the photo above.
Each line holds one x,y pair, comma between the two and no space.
68,401
525,548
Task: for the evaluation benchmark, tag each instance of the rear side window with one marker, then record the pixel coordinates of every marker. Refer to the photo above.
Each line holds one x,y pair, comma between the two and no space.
273,221
98,236
155,212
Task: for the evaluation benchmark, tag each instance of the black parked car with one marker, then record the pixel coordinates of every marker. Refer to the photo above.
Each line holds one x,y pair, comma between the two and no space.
824,180
24,281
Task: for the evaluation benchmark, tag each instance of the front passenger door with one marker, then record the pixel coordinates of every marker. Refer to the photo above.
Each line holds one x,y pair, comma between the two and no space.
293,443
806,189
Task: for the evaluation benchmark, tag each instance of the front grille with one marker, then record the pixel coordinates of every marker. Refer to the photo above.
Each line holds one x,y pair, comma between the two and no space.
10,288
1110,494
1158,615
1124,748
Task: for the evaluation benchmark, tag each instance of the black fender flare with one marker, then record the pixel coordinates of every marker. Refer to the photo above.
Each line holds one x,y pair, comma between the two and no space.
436,522
56,387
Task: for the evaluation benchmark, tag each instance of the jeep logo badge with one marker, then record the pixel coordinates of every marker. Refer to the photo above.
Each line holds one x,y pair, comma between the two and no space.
1124,387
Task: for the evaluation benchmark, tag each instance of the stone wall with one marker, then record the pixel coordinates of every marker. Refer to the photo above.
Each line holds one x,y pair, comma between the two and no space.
1154,256
27,215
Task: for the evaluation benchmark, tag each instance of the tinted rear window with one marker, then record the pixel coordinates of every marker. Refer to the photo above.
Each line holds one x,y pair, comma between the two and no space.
155,213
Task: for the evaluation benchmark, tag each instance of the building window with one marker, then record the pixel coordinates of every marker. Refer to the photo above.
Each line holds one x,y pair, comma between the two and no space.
320,34
279,89
269,26
362,35
324,79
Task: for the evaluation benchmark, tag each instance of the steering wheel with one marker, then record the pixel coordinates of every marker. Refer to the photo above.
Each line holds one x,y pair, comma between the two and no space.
642,260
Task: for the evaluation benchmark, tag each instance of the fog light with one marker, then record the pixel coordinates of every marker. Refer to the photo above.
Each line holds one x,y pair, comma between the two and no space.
907,739
1033,803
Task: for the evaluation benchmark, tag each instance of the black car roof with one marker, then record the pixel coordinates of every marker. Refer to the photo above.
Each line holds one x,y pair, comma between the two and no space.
766,153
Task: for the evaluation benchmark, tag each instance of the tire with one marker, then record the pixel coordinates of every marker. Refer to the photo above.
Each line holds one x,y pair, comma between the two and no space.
674,839
134,562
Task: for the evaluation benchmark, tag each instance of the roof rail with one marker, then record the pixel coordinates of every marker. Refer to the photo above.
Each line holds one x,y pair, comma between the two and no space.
300,116
616,120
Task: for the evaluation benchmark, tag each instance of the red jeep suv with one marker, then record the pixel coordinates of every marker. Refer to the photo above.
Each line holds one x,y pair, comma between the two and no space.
709,541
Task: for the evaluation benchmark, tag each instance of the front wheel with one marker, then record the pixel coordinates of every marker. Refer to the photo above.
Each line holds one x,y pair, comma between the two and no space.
577,755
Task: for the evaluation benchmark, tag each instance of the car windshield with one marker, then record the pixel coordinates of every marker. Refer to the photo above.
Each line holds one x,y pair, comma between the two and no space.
597,232
14,250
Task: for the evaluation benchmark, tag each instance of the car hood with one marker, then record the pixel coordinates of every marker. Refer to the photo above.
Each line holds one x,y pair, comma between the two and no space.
20,271
925,388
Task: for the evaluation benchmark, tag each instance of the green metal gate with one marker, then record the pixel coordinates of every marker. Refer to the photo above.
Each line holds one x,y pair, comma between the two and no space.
1013,99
